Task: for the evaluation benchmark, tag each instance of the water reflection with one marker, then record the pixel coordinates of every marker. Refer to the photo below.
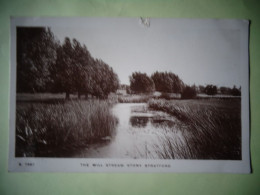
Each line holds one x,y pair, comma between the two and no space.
138,121
137,134
142,121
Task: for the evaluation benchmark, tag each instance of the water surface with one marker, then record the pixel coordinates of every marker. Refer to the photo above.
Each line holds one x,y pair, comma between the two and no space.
137,134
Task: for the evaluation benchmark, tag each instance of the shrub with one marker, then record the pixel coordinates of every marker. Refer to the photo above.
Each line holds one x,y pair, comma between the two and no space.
211,90
189,93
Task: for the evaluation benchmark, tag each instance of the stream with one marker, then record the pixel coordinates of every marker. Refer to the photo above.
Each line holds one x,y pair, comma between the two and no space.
136,136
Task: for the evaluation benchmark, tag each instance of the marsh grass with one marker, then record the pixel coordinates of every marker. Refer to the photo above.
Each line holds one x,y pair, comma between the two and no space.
59,129
142,98
207,129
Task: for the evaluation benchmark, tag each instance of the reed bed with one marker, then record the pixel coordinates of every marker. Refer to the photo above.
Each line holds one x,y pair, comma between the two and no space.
58,129
143,98
207,129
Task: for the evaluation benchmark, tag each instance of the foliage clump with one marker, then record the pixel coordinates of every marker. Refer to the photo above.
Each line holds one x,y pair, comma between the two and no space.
46,65
141,83
189,93
167,82
211,90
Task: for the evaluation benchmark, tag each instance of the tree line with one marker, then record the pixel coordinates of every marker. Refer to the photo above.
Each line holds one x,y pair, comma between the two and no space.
46,65
168,82
213,90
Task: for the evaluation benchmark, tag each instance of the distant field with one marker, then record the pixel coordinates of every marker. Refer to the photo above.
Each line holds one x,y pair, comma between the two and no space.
218,96
210,129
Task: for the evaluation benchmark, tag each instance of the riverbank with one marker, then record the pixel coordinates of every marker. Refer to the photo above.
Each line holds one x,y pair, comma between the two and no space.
50,126
210,129
137,132
53,130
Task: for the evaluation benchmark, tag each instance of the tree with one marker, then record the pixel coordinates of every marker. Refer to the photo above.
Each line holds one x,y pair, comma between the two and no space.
201,89
77,71
225,90
189,92
104,80
82,70
64,71
235,91
141,83
231,91
45,65
211,89
36,53
167,82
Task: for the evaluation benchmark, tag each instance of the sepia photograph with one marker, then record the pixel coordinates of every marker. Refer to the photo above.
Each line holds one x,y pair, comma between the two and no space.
129,89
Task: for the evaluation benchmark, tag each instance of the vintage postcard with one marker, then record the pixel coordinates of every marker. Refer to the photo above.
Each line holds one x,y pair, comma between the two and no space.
129,95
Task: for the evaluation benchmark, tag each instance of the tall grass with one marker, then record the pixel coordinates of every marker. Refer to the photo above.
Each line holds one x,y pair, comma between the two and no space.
54,129
142,98
208,129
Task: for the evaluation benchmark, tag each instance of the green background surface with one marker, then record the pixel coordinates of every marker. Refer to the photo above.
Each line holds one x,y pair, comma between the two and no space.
130,183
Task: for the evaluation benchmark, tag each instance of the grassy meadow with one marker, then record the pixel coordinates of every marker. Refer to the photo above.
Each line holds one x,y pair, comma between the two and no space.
57,129
207,129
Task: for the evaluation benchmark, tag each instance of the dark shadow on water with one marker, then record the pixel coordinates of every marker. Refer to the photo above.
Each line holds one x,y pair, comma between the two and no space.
139,121
142,121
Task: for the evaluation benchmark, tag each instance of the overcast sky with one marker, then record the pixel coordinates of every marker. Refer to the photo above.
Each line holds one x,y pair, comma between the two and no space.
198,51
